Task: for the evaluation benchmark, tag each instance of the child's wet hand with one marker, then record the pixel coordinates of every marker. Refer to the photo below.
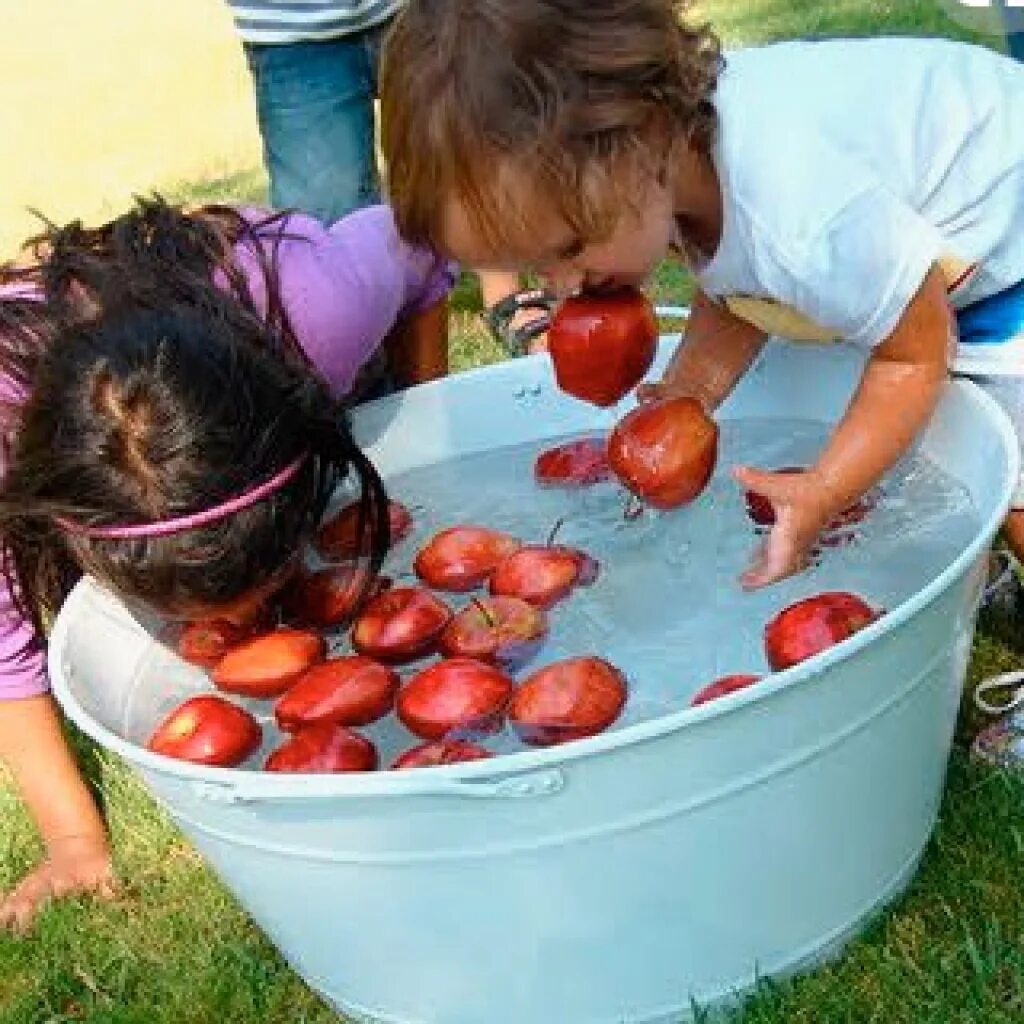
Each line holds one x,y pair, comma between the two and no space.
77,864
801,512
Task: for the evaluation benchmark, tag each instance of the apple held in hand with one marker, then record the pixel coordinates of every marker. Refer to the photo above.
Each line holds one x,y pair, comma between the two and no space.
426,755
205,643
808,627
401,624
720,687
351,690
664,451
543,574
266,665
567,700
323,747
454,694
575,464
505,630
329,597
462,557
601,345
207,730
338,539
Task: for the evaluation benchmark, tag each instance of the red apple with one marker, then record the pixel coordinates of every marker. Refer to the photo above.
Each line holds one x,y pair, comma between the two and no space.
457,693
664,451
808,627
323,747
762,512
505,630
602,345
350,690
207,730
205,643
462,557
268,664
567,700
426,755
578,463
338,539
330,596
543,573
401,624
720,687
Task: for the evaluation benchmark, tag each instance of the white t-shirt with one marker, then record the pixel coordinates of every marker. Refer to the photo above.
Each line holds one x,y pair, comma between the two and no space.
850,167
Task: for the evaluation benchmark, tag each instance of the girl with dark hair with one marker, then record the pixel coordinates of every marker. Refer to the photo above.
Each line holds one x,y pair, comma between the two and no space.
170,394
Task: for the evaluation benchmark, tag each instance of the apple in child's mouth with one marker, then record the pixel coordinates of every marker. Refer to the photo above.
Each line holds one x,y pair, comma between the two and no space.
602,344
338,539
348,690
567,700
504,630
575,464
664,451
323,747
207,729
462,557
454,694
810,626
426,755
266,665
401,624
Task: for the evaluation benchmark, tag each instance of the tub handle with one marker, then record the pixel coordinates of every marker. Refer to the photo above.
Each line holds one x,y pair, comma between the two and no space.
257,788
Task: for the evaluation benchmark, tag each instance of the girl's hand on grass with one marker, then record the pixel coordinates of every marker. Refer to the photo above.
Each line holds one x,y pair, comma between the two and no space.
77,864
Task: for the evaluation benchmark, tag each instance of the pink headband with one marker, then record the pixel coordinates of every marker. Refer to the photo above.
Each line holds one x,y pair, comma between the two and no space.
163,527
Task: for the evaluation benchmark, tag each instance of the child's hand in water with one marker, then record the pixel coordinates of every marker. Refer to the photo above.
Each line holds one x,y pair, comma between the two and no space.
802,510
76,864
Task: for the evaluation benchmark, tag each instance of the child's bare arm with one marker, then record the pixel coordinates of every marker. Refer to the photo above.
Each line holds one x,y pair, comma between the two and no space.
898,392
417,347
32,745
716,351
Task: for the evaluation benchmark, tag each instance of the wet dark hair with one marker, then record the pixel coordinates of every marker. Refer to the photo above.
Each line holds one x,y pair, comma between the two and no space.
152,398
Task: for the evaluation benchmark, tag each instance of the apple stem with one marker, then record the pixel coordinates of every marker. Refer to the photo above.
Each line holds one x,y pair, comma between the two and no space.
484,611
559,522
633,508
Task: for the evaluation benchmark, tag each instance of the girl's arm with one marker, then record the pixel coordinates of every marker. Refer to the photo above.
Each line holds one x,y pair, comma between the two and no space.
33,747
417,346
716,351
898,391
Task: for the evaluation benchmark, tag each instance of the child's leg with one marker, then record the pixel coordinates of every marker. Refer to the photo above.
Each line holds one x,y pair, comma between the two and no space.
1013,531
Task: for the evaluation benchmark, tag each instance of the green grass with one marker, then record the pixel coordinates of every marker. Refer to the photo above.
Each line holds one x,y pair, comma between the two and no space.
176,948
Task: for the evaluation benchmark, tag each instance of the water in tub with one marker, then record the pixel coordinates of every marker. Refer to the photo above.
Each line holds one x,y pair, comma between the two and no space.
666,607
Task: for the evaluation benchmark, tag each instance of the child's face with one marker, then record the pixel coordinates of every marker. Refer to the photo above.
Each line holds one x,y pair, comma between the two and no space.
628,255
245,609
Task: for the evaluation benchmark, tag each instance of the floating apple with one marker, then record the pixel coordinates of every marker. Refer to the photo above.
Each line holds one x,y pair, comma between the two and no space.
207,730
401,624
505,630
664,451
720,687
762,512
330,596
543,574
462,557
426,755
457,693
205,643
266,665
808,627
601,345
323,747
338,539
575,464
567,700
350,690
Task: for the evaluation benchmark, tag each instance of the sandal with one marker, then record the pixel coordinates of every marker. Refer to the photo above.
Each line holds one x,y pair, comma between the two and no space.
516,340
1001,743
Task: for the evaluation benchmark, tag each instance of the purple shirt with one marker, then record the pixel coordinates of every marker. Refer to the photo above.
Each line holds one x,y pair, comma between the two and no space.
344,287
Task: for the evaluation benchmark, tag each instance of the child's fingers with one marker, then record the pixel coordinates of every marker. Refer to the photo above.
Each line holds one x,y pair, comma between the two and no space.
19,909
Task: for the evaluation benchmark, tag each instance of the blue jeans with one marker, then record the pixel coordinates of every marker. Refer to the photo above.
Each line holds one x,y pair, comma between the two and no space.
314,102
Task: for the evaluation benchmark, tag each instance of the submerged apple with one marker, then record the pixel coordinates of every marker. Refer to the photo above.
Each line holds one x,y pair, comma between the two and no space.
505,630
579,463
425,755
664,451
601,345
543,574
401,624
567,700
330,597
338,539
350,690
462,557
205,643
268,664
207,729
323,747
808,627
720,687
454,694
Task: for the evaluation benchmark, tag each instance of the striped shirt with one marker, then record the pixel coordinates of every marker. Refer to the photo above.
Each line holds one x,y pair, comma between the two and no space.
293,21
